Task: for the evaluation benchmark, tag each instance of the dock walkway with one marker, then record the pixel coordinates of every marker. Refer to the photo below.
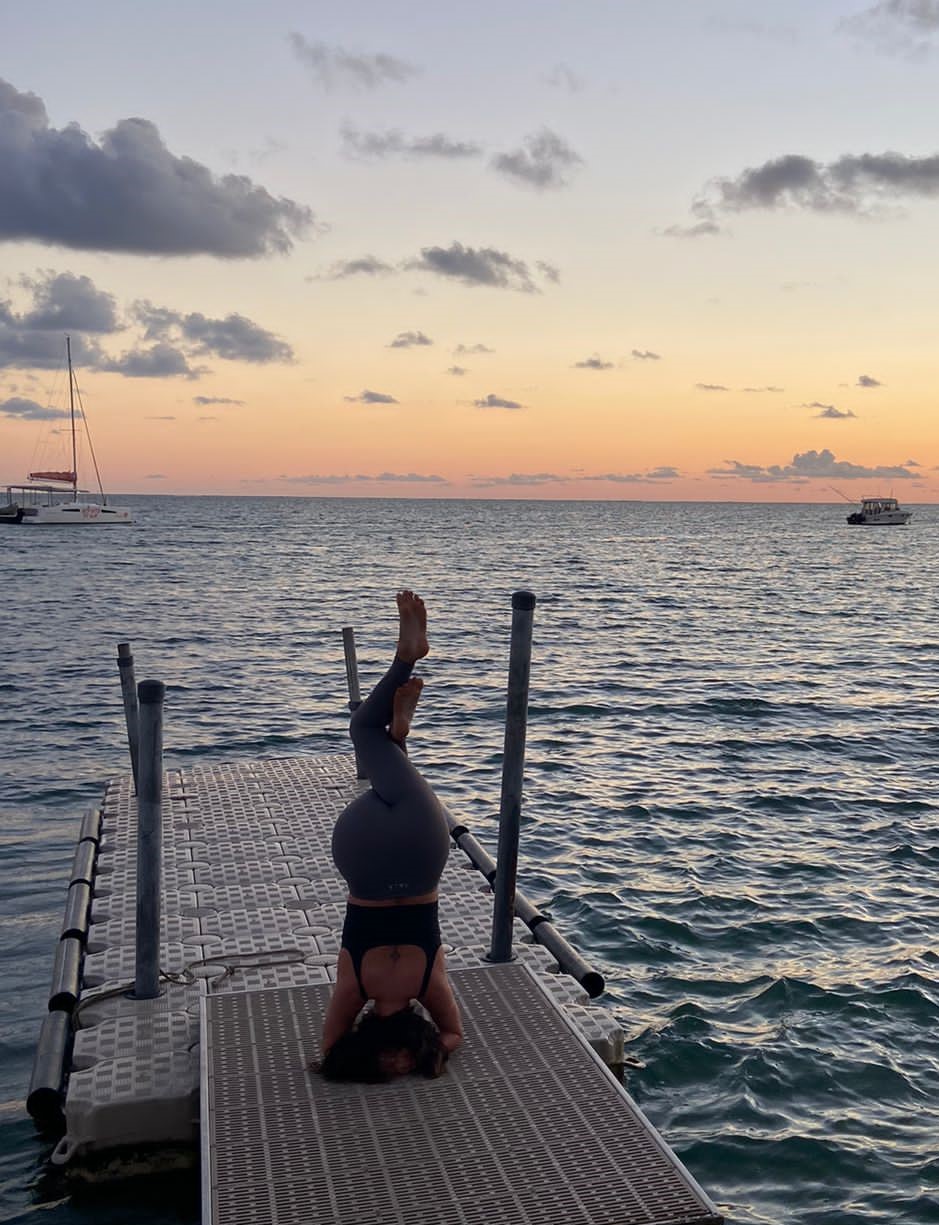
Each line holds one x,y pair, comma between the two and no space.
250,933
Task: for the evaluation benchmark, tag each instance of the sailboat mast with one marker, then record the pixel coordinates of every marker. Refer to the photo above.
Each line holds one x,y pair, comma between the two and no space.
71,405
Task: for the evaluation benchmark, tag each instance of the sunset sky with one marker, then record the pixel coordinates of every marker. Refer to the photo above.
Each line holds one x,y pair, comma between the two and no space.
674,250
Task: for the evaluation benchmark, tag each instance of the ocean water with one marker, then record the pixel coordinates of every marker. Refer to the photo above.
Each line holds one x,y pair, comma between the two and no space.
731,797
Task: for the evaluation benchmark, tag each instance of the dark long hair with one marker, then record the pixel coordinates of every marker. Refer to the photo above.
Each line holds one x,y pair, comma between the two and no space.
362,1053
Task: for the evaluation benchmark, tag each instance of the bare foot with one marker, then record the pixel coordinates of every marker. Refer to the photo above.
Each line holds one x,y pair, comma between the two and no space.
412,631
405,703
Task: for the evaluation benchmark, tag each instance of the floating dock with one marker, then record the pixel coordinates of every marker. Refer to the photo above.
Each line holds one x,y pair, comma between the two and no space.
250,931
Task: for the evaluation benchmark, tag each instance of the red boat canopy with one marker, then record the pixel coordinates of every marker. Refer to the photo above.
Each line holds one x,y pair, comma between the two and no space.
53,476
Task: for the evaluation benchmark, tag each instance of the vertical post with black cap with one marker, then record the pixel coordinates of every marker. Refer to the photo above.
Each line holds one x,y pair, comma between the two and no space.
149,839
125,663
513,768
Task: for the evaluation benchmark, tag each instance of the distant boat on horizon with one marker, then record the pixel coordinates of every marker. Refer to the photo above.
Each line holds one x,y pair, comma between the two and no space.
880,512
62,501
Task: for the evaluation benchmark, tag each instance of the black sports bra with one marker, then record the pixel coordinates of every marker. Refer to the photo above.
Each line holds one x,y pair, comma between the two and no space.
369,927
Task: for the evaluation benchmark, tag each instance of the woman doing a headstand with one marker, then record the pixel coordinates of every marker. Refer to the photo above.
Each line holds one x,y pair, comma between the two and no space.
391,844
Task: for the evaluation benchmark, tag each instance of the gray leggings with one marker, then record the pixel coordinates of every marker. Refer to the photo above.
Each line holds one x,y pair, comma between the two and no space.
392,841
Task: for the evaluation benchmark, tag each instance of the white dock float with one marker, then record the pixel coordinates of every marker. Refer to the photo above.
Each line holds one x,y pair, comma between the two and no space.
251,901
527,1125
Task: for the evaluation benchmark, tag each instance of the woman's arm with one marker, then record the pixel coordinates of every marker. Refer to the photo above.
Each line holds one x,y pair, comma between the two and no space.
441,1005
344,1006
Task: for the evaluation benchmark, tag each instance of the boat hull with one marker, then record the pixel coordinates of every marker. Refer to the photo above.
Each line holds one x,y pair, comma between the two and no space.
84,514
890,518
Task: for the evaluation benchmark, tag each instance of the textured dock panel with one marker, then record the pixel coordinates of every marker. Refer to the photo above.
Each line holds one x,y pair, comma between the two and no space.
527,1125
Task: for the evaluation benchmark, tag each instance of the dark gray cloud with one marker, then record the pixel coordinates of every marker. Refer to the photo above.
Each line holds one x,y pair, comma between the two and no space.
370,397
334,66
544,161
63,302
456,370
646,355
593,363
476,266
394,143
831,413
128,192
865,380
21,409
711,387
812,465
155,476
28,350
696,229
896,26
856,184
761,389
410,340
492,401
206,400
464,350
160,361
233,338
366,265
549,271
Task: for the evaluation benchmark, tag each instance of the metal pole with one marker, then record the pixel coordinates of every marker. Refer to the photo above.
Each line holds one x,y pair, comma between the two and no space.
149,840
513,768
352,679
125,663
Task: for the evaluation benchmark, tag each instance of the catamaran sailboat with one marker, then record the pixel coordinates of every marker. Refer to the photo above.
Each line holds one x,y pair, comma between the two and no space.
61,501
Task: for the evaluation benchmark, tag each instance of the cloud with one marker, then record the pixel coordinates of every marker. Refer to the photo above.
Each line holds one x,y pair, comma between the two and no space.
544,161
393,143
410,340
492,401
128,192
155,476
549,272
456,370
762,389
476,266
812,465
465,350
160,418
333,66
562,77
831,413
370,397
366,265
206,400
233,338
854,184
897,26
696,229
521,478
646,355
750,28
402,478
160,361
865,380
63,302
711,387
630,478
20,409
593,363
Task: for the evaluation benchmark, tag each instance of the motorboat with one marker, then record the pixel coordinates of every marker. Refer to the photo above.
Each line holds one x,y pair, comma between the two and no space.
880,512
59,500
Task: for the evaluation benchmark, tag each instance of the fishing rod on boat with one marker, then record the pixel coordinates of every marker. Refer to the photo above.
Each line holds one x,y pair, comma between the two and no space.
842,495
